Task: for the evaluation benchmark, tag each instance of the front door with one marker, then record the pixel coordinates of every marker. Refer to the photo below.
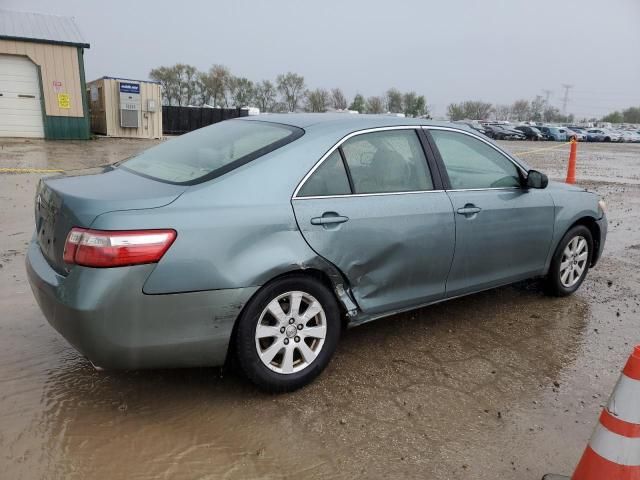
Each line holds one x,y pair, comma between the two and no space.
371,209
503,230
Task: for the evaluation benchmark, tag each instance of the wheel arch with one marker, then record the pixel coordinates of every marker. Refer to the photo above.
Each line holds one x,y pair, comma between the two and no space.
332,279
593,227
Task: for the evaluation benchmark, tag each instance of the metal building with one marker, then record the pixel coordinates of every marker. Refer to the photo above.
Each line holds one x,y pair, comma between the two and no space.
120,107
42,80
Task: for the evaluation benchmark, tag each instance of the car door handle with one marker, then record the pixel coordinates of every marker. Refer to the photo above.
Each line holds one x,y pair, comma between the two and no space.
328,219
469,209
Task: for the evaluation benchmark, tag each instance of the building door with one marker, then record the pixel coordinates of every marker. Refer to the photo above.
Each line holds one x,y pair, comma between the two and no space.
20,98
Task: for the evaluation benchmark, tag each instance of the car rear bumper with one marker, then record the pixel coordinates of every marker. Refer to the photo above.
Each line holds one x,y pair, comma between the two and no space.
105,315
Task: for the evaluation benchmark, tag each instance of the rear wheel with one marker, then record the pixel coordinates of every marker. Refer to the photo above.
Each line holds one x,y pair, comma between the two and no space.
570,262
288,333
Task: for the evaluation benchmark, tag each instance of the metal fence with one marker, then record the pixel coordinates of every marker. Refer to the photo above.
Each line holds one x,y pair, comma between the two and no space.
179,120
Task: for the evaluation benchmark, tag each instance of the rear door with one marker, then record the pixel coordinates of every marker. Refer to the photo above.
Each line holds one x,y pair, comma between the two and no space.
503,231
373,208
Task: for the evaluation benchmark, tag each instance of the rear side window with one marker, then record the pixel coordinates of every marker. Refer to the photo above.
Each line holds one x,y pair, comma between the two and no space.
472,164
387,161
211,151
329,179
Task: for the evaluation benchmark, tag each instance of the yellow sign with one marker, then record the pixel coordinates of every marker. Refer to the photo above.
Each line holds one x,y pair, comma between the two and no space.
64,101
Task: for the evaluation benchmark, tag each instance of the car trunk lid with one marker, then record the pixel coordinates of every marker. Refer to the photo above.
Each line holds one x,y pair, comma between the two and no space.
64,202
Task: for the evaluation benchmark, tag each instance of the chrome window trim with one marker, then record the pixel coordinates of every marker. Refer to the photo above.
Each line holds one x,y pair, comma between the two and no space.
380,194
336,146
495,147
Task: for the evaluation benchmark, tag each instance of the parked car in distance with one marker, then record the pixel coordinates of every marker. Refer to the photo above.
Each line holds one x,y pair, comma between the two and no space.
553,133
262,237
503,132
530,133
630,136
571,134
477,126
588,137
607,135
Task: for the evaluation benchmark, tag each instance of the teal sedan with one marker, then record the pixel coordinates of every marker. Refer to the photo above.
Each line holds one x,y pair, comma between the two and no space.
263,237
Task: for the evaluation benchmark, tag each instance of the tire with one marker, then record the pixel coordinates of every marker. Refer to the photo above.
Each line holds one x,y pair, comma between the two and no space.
293,353
559,282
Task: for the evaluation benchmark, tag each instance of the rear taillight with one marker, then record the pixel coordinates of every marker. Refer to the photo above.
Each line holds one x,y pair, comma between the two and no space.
117,248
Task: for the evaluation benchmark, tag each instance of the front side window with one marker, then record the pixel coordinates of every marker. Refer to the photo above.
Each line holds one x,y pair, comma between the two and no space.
330,178
211,151
387,161
471,163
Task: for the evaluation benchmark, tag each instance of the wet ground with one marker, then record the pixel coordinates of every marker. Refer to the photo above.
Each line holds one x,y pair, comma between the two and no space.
504,384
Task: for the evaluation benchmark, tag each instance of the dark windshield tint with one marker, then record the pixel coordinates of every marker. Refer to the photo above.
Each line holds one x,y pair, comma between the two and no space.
211,151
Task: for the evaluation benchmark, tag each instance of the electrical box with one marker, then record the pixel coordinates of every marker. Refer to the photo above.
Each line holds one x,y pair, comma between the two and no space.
151,105
129,104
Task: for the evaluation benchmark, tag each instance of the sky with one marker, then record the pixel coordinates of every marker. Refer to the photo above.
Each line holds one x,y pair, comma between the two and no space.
448,50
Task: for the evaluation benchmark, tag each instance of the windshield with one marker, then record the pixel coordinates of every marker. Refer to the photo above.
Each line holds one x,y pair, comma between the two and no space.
211,151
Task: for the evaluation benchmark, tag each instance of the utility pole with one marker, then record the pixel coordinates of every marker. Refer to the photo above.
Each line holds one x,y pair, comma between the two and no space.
565,99
547,95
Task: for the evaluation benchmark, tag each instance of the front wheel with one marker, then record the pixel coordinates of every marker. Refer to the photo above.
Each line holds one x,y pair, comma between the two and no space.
570,262
288,333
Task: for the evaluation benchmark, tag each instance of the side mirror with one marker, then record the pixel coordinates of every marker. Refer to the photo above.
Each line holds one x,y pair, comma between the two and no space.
537,179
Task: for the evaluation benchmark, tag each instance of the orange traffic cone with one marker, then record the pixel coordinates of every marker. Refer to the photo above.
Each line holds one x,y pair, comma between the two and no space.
613,453
571,168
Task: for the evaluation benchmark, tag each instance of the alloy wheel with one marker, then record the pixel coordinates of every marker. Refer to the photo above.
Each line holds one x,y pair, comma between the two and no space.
290,332
574,261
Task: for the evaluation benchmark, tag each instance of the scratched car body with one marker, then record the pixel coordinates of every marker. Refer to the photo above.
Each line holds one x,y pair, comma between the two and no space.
263,237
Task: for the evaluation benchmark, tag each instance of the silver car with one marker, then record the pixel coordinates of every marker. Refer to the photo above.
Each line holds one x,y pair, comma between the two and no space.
263,237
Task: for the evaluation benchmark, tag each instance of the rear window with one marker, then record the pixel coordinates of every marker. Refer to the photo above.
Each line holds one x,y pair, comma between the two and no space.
211,151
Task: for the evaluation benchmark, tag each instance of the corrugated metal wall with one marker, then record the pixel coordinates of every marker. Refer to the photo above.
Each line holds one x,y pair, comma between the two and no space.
60,73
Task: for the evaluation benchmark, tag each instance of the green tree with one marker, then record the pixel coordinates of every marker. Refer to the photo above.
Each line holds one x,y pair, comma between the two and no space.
613,117
456,111
394,100
241,91
358,104
292,87
317,100
631,115
375,105
469,109
414,105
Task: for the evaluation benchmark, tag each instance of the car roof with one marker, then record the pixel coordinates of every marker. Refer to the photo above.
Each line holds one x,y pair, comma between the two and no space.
347,121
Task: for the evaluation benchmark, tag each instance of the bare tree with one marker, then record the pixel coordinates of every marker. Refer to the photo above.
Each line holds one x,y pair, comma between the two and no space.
521,109
189,75
266,96
375,105
291,86
338,100
394,100
536,108
317,100
168,83
502,112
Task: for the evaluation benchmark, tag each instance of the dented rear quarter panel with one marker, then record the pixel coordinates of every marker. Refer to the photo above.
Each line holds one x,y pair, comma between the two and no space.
235,231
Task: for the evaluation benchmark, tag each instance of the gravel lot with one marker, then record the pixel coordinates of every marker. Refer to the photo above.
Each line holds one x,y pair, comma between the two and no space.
503,384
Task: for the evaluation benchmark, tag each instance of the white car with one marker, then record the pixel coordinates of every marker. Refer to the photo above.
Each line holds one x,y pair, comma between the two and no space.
609,135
